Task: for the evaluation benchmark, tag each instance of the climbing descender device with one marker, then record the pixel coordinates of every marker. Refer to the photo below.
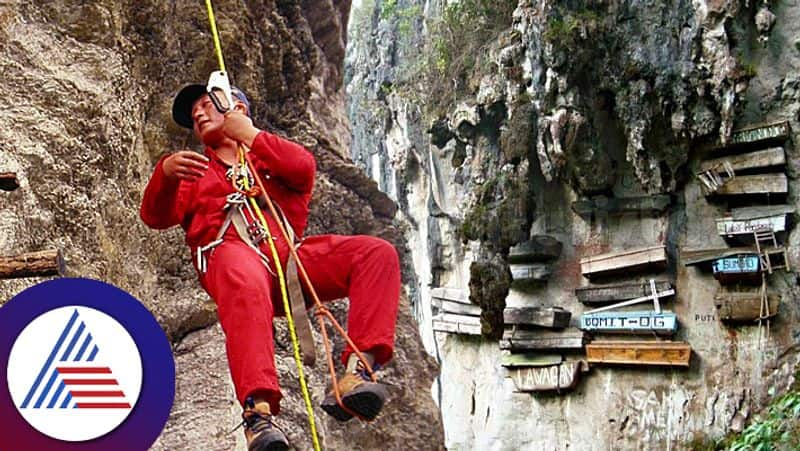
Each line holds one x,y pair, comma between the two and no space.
219,91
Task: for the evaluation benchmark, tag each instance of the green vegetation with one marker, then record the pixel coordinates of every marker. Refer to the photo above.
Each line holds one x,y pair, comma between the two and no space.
777,429
403,17
571,28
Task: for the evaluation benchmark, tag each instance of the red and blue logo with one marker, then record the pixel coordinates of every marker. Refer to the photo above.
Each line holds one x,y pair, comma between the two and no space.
87,368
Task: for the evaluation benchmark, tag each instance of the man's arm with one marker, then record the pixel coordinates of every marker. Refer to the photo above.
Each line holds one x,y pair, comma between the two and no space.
165,197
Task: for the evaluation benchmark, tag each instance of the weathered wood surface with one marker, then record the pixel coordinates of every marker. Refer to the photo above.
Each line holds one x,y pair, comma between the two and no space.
552,317
640,322
529,272
523,339
627,261
619,292
601,205
761,159
755,184
728,226
669,353
760,211
8,181
738,268
745,306
32,264
451,294
456,307
457,324
538,248
527,359
561,377
691,257
650,297
757,136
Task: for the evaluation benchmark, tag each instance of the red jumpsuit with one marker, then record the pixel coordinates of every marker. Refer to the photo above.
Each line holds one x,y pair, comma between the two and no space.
365,269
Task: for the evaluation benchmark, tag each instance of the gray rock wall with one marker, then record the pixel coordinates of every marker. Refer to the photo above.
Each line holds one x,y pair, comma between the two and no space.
612,98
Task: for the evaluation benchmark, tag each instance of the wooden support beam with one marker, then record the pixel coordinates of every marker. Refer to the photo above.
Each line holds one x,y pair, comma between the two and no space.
8,181
538,248
553,317
602,205
32,264
619,292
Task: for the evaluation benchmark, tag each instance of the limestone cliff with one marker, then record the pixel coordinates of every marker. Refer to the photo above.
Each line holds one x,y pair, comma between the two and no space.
88,89
485,121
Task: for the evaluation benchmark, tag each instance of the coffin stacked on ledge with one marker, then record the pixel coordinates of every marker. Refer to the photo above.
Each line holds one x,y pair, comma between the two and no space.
530,262
543,372
457,315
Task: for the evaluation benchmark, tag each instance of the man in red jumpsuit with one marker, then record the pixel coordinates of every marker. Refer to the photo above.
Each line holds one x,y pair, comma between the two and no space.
193,190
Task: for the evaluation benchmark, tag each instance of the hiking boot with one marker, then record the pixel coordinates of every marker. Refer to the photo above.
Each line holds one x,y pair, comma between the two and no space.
261,433
359,394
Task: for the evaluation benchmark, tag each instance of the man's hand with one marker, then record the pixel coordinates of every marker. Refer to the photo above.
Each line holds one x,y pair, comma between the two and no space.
185,165
239,127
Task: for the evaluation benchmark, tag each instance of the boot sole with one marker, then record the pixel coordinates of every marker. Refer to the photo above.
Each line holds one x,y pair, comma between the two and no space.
365,401
268,444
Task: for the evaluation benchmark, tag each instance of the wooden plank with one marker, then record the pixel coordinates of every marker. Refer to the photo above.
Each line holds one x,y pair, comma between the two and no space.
759,135
691,257
529,272
619,292
738,268
744,306
451,294
761,159
457,324
456,307
755,184
728,226
640,322
561,377
8,181
461,319
524,339
553,317
538,248
628,260
612,206
514,360
32,264
760,211
660,353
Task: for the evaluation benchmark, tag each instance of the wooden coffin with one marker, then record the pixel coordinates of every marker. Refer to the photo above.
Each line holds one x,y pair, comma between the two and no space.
561,377
624,261
641,322
539,248
755,184
660,353
760,136
527,273
527,359
8,181
738,268
541,339
612,206
552,317
619,292
457,324
451,300
691,257
760,211
32,264
753,160
745,306
728,226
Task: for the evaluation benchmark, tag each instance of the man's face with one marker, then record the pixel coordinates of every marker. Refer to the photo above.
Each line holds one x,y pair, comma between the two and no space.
207,121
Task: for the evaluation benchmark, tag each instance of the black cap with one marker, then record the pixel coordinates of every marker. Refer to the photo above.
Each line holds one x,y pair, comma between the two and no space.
182,106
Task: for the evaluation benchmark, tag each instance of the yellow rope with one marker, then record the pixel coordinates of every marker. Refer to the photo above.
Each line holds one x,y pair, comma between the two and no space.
286,306
217,45
275,256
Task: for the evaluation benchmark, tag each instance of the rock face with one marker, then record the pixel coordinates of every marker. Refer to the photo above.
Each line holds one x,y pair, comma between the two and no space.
89,88
486,124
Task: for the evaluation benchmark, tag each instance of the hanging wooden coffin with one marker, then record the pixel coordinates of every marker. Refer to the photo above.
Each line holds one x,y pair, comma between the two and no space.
538,339
755,184
538,248
552,317
760,136
745,306
740,268
645,322
752,160
529,273
620,292
457,324
728,226
624,261
613,206
658,353
561,377
451,300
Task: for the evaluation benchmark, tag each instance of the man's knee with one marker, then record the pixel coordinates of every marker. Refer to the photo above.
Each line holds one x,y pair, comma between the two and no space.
382,250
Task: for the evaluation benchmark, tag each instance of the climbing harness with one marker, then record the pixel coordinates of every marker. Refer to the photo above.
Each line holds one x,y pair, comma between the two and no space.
250,190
